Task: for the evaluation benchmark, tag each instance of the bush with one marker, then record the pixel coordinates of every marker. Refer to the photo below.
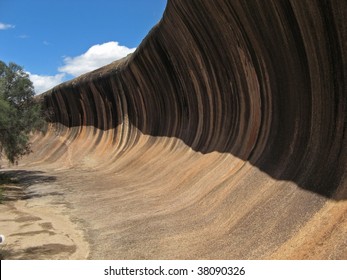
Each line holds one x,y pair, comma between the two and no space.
20,114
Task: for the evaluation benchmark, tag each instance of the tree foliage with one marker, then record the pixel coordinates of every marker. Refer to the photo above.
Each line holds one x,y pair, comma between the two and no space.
20,114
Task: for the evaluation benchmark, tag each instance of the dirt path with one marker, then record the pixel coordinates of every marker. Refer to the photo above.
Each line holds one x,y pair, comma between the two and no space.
35,220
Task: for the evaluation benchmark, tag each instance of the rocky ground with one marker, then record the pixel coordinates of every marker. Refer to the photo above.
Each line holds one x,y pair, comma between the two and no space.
80,213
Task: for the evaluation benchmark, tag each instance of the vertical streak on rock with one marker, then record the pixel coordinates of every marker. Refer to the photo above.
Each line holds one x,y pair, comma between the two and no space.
264,81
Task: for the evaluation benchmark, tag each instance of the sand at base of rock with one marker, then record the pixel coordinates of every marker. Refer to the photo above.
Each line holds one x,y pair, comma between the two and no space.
39,227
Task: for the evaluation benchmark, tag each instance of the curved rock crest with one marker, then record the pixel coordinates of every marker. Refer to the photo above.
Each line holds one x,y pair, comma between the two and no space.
225,108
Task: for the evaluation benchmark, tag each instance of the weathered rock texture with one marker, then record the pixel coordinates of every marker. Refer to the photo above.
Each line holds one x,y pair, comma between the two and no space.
222,136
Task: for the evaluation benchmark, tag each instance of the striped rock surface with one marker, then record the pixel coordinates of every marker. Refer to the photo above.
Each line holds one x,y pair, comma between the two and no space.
223,136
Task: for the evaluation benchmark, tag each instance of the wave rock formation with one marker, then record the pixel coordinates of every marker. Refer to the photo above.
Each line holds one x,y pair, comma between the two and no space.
222,136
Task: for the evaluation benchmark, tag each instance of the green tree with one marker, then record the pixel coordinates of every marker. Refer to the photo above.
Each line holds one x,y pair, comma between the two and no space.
20,113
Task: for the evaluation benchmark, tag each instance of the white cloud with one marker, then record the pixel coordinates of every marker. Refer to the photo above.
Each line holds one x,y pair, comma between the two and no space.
95,57
43,83
4,26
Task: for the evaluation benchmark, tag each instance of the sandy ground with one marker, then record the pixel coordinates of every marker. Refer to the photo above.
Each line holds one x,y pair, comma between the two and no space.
34,218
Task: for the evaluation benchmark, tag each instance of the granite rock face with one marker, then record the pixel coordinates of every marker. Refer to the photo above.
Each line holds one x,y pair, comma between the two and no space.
218,97
265,82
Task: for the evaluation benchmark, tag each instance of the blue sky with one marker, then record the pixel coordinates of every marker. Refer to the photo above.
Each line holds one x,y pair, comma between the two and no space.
56,40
